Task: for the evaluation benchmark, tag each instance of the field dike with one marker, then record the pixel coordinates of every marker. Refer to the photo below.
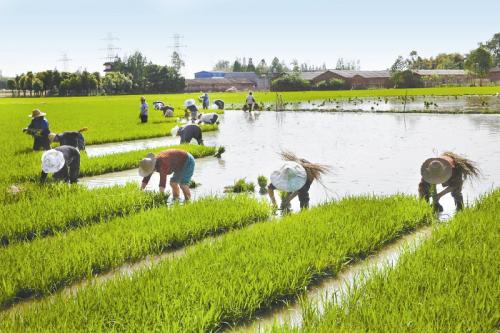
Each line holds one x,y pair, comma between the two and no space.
449,284
318,296
43,266
223,283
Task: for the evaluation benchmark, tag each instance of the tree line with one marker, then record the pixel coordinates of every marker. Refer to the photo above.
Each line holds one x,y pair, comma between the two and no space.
133,74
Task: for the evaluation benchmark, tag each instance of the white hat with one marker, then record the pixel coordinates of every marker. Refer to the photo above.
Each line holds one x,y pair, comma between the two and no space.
290,177
147,165
52,161
436,170
174,131
189,102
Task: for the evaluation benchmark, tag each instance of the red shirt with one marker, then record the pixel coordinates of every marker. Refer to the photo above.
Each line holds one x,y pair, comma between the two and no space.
167,162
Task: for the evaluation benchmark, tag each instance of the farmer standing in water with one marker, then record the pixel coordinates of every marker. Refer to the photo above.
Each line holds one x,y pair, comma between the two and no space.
295,177
450,170
169,161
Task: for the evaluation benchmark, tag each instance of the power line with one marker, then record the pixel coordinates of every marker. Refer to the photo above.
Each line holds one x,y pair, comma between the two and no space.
65,61
111,49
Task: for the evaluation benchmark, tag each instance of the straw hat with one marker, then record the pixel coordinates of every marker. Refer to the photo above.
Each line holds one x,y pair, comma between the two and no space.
52,136
174,131
436,170
290,177
147,165
36,113
189,102
52,161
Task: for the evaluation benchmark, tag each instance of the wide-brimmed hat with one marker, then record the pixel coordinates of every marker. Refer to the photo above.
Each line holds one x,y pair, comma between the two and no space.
189,102
436,170
147,165
290,177
36,113
52,161
52,136
174,131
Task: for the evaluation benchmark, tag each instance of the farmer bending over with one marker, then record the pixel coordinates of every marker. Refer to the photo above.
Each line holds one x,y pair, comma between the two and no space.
73,138
175,161
450,170
63,162
208,118
295,177
188,133
39,129
192,108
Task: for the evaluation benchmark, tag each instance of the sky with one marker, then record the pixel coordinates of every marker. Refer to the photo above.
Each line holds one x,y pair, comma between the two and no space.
35,34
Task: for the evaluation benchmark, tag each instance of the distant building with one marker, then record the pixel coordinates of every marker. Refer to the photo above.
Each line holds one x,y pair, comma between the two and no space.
219,84
494,75
108,67
261,83
436,77
353,79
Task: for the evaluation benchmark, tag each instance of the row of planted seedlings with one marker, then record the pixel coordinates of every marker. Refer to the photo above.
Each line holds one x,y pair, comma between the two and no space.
32,210
44,265
449,284
229,280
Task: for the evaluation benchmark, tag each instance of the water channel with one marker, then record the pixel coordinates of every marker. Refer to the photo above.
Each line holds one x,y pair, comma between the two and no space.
370,153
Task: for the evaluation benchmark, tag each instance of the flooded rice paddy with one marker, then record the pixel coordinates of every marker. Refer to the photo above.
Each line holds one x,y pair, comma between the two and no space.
369,153
444,104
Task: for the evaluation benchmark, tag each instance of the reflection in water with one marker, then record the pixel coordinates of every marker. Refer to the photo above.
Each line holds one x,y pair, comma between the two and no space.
369,153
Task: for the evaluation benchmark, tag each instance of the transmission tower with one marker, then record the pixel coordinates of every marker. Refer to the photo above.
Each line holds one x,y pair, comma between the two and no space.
111,48
65,61
176,46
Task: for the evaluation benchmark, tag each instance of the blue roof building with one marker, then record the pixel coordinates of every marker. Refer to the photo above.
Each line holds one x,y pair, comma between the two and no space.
208,74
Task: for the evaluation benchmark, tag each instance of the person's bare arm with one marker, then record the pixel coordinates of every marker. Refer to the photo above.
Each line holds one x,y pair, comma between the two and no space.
288,198
445,191
271,195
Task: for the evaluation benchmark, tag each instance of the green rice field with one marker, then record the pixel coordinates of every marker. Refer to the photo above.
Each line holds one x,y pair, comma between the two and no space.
239,259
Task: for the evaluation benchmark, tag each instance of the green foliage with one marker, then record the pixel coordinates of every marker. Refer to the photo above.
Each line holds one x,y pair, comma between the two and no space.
333,84
479,62
450,284
41,267
262,181
56,208
231,279
406,79
290,83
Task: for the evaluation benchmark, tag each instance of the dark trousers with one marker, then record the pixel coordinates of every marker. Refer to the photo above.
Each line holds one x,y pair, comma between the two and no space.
41,143
144,118
424,193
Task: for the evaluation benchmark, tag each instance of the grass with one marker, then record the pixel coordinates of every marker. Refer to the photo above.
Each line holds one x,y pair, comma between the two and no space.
44,265
231,279
58,208
30,171
450,284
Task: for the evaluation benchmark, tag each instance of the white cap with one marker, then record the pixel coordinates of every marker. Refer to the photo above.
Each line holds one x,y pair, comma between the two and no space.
52,161
290,177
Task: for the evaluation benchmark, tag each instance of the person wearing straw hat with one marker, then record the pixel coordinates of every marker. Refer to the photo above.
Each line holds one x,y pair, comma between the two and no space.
169,161
63,162
295,178
450,170
188,133
70,138
39,129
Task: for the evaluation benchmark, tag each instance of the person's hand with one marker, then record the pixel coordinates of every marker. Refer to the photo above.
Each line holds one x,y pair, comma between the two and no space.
25,130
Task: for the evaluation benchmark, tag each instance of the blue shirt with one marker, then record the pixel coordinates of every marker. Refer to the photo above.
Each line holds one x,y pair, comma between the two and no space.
144,109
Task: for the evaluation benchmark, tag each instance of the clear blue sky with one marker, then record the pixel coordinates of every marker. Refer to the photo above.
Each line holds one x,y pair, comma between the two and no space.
35,33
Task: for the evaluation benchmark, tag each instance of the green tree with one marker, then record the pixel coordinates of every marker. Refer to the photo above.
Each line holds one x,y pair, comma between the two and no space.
11,85
276,66
479,62
37,86
493,45
177,62
250,66
223,66
237,66
262,68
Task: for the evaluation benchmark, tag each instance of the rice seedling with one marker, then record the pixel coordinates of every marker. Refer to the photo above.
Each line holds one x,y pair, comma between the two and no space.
449,284
231,279
58,208
240,186
262,181
44,265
